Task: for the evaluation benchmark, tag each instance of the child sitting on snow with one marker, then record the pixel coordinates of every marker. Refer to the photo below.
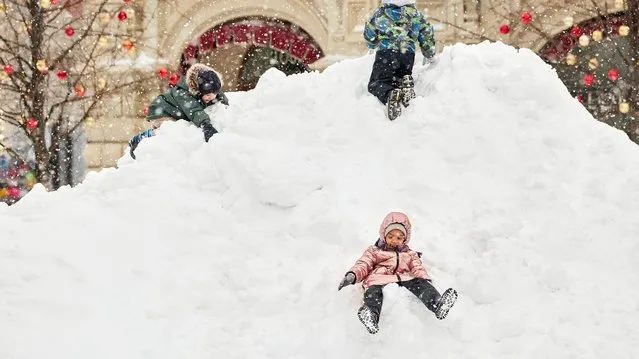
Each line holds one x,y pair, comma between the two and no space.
198,89
394,28
391,261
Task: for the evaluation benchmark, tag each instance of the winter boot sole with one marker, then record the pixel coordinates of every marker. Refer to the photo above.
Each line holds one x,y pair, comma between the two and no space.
367,317
408,90
393,105
446,302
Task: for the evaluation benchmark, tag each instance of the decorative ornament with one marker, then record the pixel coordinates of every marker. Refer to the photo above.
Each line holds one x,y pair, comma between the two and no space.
624,107
613,75
62,75
127,45
589,79
89,121
146,111
80,90
2,8
127,1
624,30
173,80
584,40
575,31
31,124
569,21
597,35
105,18
55,2
101,84
69,31
163,73
122,16
45,4
41,65
504,29
103,41
580,98
593,63
571,59
619,4
3,76
526,17
8,69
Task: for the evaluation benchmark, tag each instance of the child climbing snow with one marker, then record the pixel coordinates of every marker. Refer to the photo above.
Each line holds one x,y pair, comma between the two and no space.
198,89
391,261
393,29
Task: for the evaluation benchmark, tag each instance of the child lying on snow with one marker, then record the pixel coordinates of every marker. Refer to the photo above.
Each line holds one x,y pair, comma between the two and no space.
391,261
198,89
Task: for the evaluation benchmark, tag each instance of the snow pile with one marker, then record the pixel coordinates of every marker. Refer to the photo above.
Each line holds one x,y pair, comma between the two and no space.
235,248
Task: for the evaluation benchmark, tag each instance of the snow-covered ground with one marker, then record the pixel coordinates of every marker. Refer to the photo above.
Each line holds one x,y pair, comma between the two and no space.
235,248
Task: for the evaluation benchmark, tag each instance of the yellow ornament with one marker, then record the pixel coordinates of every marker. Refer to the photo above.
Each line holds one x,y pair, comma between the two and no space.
571,59
103,41
593,63
45,4
624,107
584,40
619,4
3,76
105,18
597,35
101,84
41,65
2,8
624,30
569,21
89,121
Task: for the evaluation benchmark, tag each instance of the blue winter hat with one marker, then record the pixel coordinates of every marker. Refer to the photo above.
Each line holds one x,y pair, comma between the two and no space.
208,82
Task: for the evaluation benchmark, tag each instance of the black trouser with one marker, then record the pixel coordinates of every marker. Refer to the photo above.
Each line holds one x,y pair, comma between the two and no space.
373,297
389,68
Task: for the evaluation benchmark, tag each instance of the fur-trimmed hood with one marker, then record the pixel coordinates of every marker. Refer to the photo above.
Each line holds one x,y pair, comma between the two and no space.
191,77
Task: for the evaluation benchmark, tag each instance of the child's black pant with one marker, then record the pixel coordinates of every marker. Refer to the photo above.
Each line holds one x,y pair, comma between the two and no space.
373,297
389,68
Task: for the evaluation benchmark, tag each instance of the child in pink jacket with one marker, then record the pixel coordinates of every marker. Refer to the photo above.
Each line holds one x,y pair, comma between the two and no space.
391,261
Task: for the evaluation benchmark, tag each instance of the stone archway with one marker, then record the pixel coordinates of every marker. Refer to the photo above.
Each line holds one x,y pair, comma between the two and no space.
596,60
243,49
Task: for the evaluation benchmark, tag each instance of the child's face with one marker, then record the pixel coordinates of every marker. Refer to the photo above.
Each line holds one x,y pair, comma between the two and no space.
395,238
209,97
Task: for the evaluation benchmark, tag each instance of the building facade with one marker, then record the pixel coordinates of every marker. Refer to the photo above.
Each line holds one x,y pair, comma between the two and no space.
243,38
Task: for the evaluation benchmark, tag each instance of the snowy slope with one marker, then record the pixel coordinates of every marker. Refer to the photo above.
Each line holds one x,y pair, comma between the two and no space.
234,249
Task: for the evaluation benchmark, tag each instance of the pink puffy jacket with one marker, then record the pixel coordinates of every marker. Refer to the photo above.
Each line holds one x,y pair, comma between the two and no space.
378,266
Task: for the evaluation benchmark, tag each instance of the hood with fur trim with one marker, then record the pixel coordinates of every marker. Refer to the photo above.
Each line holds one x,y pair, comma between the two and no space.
399,2
191,77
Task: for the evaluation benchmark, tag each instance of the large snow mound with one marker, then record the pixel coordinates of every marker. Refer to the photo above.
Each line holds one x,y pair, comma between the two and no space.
234,248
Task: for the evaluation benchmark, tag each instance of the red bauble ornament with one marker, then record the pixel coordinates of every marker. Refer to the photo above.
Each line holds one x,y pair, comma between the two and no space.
122,16
32,124
589,79
146,111
504,29
127,45
575,31
580,98
14,192
173,80
127,1
80,90
526,17
55,2
62,75
69,31
8,69
613,75
163,73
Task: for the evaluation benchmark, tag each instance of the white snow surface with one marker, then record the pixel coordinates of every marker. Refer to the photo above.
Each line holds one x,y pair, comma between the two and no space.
234,248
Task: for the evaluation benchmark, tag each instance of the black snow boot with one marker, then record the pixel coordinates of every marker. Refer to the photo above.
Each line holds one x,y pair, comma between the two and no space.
408,89
446,302
394,104
369,318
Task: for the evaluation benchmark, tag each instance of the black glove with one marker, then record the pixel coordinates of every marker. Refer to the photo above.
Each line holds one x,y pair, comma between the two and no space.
208,131
221,97
349,279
